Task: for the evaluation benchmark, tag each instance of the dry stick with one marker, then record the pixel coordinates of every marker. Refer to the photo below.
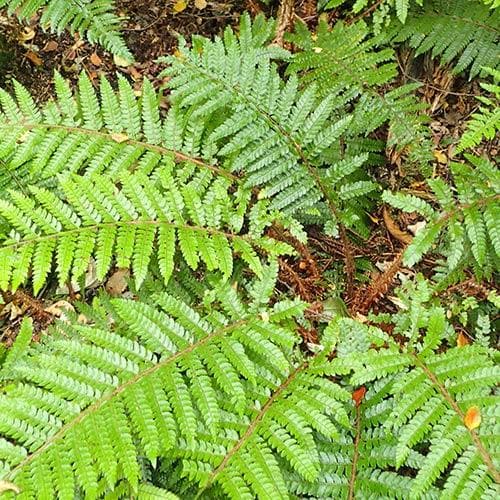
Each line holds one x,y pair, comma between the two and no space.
449,399
357,439
285,17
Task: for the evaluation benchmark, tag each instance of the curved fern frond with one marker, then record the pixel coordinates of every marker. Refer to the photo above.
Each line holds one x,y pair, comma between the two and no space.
460,30
128,222
214,390
94,19
83,132
467,221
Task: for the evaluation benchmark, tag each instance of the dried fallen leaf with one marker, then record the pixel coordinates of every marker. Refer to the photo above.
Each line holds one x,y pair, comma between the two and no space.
179,6
59,309
95,59
394,230
318,49
121,61
440,157
119,138
27,34
472,418
117,283
50,46
34,58
358,395
462,340
200,4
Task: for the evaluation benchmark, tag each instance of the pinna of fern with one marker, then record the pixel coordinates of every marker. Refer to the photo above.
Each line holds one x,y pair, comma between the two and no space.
95,19
467,221
212,387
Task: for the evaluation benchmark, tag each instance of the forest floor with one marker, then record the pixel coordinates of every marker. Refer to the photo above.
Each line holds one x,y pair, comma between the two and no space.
31,56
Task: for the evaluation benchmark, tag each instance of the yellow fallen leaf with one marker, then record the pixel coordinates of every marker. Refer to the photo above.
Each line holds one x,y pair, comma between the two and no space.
472,418
179,6
317,49
440,157
200,4
119,138
121,61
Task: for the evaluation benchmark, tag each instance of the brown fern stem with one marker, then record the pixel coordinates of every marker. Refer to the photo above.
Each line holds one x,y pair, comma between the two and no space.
251,428
355,457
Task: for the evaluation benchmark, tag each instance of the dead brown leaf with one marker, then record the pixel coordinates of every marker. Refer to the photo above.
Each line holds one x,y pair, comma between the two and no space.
117,283
394,230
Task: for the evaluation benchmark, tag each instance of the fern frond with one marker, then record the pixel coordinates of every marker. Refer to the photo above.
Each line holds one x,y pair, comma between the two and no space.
430,393
94,19
485,124
128,222
230,102
466,222
455,30
163,383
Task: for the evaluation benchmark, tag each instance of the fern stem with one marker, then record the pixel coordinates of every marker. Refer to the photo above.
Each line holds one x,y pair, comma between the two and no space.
355,457
118,390
77,230
453,404
251,428
133,142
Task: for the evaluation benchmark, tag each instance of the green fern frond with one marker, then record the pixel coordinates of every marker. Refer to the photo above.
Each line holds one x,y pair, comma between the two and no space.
93,18
430,393
230,102
164,383
485,124
328,57
127,222
467,221
455,30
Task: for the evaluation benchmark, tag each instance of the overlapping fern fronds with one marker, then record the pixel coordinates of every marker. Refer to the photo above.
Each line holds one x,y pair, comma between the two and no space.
215,389
467,221
455,30
423,403
96,19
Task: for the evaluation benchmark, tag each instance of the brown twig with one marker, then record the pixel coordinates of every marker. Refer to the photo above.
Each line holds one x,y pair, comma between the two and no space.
285,18
357,439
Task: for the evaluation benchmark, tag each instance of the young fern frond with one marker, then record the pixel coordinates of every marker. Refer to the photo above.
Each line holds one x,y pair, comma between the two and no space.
94,19
484,124
128,222
466,222
211,388
460,30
